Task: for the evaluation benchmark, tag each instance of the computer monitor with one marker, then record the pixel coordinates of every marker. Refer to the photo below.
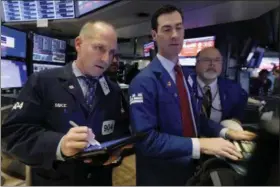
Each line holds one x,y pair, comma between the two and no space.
13,74
48,49
33,10
269,62
13,43
83,7
191,46
40,67
254,58
148,48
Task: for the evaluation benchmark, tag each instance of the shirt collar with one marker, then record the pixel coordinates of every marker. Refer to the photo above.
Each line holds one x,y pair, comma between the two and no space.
76,70
213,85
167,64
78,73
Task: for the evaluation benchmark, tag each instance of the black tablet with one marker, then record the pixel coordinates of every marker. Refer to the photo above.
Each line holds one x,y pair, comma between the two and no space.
108,147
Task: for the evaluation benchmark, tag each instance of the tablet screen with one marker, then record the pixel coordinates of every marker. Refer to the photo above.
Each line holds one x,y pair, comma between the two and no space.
105,144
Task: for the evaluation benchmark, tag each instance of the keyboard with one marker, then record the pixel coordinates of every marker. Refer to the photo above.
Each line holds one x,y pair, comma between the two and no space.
246,148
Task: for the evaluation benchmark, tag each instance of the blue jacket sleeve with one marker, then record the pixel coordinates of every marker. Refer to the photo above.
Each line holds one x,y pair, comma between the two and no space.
144,118
24,134
209,127
238,109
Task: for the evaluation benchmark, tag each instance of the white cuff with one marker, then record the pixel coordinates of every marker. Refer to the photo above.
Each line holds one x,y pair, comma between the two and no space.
223,132
196,148
58,152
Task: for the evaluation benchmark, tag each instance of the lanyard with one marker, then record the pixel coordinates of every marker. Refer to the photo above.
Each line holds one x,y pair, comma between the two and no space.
213,98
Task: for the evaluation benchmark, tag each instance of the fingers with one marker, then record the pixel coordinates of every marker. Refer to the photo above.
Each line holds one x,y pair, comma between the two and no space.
249,134
80,129
78,137
228,155
112,159
116,156
232,152
245,135
76,145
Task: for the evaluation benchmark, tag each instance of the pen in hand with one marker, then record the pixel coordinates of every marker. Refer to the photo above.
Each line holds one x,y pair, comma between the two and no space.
92,141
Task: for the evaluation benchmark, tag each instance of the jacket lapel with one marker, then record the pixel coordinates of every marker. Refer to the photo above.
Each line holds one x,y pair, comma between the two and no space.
99,96
164,78
71,85
223,97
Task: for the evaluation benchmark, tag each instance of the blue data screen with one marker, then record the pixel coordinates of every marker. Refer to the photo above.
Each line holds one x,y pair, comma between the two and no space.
32,10
48,49
13,74
13,43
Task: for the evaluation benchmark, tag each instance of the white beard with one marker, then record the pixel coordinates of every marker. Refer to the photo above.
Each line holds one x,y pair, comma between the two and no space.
210,75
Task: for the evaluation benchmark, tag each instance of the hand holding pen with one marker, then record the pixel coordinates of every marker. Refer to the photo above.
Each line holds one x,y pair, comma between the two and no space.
76,139
91,137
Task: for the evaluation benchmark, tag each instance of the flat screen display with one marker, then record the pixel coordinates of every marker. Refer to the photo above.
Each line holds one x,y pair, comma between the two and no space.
48,49
13,74
187,61
254,58
193,45
84,7
269,62
40,67
32,10
147,49
13,43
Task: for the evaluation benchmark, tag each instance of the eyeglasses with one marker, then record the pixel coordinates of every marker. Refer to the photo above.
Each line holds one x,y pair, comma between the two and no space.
209,60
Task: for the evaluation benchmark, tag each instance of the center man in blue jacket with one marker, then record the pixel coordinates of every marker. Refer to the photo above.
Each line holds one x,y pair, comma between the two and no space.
163,104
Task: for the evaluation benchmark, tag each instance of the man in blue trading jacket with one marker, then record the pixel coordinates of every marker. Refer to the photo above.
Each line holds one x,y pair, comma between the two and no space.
37,131
163,105
223,98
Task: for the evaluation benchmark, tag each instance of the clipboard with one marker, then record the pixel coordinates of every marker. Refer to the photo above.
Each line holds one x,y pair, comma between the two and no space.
108,147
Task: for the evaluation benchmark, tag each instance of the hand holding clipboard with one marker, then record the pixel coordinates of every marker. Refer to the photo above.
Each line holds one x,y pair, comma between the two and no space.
112,149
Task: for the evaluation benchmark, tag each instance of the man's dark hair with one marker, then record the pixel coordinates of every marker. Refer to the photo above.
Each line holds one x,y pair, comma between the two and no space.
166,9
263,72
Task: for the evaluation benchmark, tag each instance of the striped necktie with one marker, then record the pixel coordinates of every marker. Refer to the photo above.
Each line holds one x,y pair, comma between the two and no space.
90,94
207,101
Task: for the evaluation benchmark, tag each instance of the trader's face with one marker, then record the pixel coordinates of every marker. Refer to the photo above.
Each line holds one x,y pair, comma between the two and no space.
209,63
169,34
96,52
114,65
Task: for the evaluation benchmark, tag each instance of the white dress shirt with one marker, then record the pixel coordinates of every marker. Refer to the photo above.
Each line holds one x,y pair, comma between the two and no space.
216,109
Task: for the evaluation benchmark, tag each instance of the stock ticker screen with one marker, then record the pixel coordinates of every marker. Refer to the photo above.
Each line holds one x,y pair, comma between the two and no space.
13,74
13,43
192,46
48,49
31,10
84,7
40,67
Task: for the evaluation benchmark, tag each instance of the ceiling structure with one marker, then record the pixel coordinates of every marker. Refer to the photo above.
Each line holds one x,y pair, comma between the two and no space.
123,15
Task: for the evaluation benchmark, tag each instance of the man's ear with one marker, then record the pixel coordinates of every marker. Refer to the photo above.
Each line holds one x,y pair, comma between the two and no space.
154,35
78,41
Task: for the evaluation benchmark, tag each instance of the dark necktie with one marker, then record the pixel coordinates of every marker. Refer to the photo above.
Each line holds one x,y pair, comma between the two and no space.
90,94
207,101
188,130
